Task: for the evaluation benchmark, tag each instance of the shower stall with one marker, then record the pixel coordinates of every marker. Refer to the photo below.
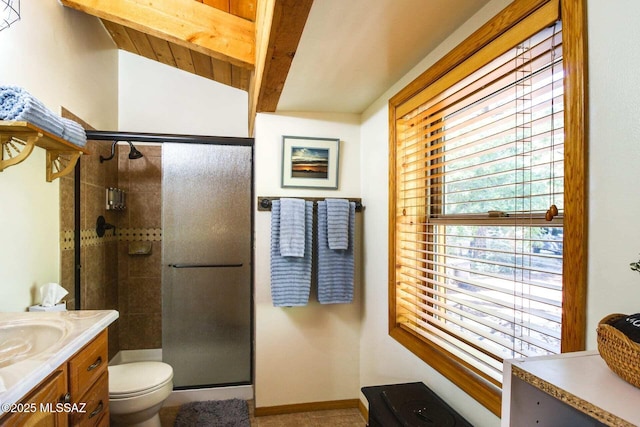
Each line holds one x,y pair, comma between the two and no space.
189,292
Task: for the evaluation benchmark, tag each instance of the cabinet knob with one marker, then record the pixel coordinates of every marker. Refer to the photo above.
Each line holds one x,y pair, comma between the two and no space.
66,398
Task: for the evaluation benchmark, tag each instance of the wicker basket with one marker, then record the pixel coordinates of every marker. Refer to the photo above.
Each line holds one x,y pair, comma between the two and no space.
621,354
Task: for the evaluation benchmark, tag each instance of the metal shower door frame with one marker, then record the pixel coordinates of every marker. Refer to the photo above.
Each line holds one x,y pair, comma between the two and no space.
160,138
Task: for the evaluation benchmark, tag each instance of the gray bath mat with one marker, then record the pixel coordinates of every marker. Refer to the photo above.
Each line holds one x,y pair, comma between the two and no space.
214,413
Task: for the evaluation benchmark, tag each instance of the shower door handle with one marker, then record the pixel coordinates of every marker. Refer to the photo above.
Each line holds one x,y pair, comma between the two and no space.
204,265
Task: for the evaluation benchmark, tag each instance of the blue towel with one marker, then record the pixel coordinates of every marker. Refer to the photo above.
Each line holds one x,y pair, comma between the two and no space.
292,227
338,223
290,276
17,104
335,267
74,132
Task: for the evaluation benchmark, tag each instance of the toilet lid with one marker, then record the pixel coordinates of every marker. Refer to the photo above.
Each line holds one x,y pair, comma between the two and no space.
136,377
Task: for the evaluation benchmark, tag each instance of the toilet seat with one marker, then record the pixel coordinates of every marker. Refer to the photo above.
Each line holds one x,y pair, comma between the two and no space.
137,378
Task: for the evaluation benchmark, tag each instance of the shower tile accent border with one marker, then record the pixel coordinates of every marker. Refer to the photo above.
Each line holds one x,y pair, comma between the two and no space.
140,234
67,240
90,238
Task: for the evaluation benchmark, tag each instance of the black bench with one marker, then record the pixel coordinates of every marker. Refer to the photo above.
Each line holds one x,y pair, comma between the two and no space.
409,405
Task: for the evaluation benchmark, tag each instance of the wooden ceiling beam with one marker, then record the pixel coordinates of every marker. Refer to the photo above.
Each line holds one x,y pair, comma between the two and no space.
187,23
279,25
264,16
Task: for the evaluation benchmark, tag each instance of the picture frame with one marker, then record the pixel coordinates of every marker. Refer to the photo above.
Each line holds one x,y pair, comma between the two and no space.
309,162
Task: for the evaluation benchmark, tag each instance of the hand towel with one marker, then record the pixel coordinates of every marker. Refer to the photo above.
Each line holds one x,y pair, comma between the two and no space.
338,223
292,227
73,132
290,276
335,267
17,104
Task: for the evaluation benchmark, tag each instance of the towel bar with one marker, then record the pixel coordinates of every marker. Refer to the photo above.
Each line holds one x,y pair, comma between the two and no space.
264,203
203,265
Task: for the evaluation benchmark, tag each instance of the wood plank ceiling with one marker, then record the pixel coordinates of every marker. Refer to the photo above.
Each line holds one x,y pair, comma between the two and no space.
246,44
193,61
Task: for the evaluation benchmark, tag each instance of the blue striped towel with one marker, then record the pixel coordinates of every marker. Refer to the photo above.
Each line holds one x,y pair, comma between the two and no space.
292,227
338,223
335,267
17,104
290,276
73,132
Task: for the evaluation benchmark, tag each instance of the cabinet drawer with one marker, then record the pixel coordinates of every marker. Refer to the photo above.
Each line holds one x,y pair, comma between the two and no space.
87,366
97,405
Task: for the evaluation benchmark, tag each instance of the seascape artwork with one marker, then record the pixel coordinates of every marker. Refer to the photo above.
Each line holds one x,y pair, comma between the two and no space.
309,162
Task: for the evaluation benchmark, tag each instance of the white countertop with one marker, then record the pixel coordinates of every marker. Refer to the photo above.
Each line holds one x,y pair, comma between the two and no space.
583,380
80,327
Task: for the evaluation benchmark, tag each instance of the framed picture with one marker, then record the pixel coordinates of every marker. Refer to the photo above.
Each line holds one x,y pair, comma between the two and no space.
310,162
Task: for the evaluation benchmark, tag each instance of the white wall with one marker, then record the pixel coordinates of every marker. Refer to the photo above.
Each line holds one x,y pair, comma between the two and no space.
614,152
304,354
157,98
64,58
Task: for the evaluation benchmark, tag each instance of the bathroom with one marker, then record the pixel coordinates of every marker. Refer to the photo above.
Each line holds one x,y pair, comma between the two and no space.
317,354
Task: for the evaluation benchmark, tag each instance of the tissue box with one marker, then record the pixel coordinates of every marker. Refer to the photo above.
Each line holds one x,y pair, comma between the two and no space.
61,306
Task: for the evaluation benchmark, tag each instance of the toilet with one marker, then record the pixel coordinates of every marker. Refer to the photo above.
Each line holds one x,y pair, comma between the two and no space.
137,391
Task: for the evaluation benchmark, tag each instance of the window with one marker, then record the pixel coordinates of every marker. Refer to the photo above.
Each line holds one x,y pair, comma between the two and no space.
487,258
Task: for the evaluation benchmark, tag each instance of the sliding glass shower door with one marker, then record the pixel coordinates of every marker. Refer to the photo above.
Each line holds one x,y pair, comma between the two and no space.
206,280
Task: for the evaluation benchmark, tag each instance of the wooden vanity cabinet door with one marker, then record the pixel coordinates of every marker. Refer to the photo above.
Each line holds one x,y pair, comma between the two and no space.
46,395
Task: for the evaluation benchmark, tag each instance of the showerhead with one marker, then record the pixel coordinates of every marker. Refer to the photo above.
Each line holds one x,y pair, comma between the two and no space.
134,153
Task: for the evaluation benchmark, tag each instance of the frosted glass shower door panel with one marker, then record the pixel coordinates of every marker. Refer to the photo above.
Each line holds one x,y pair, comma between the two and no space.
208,340
206,280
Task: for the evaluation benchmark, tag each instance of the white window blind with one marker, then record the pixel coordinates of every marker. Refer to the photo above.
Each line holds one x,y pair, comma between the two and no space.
479,210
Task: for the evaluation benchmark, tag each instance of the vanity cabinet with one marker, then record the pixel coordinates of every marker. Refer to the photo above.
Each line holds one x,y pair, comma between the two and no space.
75,394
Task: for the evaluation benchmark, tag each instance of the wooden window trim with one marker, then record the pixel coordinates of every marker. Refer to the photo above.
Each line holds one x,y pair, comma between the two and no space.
573,15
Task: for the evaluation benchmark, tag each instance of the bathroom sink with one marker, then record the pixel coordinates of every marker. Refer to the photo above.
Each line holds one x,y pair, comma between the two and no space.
23,339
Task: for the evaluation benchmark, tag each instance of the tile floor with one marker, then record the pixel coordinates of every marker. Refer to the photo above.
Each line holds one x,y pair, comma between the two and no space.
329,418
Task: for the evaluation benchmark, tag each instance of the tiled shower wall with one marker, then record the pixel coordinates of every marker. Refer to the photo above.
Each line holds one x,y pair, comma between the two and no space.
98,256
110,277
139,279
